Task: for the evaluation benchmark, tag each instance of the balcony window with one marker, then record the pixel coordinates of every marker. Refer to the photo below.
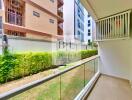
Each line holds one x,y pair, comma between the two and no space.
14,12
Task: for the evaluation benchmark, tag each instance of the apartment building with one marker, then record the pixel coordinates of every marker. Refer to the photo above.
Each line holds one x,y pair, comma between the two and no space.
78,24
73,21
89,28
39,19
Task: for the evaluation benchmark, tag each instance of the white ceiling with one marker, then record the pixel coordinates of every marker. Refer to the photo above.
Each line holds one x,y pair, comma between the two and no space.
103,8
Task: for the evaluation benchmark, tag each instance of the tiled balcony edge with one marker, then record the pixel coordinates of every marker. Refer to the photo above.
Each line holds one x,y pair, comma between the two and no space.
84,93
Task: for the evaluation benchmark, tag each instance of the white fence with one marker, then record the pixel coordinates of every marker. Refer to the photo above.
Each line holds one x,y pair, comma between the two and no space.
113,27
18,44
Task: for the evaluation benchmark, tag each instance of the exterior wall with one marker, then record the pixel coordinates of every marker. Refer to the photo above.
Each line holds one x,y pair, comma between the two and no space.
70,21
116,58
68,27
92,27
47,4
45,22
41,23
79,21
33,36
17,44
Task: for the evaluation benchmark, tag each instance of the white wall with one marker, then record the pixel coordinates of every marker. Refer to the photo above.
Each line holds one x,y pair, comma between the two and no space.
68,25
116,58
17,44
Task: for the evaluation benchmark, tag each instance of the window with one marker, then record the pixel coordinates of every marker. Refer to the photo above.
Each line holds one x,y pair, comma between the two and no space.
52,1
89,32
78,33
14,12
89,42
82,27
79,24
36,14
82,37
89,24
51,21
88,15
78,12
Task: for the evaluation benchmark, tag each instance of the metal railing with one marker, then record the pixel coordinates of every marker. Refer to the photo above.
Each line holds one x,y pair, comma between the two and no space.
65,84
14,18
113,27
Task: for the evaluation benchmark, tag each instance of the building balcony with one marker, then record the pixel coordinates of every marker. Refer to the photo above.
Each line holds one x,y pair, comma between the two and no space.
113,27
83,81
60,3
110,88
60,30
14,18
60,13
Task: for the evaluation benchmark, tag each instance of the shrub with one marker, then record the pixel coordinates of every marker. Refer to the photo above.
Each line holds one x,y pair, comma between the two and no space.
15,66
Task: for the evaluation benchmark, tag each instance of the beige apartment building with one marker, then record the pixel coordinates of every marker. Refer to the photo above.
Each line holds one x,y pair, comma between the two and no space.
39,19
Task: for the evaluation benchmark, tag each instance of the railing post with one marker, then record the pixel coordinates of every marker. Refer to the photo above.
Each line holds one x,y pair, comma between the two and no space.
60,88
84,75
94,65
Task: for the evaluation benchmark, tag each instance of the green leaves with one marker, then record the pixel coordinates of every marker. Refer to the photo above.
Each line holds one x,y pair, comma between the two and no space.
15,66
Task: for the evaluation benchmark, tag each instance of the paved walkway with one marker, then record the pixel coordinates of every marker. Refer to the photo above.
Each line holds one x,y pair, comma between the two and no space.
109,88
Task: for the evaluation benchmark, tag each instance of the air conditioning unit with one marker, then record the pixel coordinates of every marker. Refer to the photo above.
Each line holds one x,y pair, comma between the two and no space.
15,3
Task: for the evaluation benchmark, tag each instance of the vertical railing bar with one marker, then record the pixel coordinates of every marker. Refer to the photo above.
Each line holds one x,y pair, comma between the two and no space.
84,75
110,29
99,30
60,88
121,25
97,33
106,27
94,65
128,24
123,30
102,35
115,27
103,29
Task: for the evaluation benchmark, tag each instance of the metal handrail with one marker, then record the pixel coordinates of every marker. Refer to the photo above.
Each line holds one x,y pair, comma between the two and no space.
28,86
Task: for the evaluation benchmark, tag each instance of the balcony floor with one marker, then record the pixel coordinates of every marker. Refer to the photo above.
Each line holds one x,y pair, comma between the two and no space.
109,88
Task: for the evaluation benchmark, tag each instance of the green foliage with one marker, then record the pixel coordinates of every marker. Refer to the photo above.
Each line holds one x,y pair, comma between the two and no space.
88,53
15,66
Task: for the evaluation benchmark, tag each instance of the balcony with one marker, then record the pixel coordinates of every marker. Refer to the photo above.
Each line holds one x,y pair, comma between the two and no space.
69,81
60,31
110,88
82,81
113,27
60,3
14,18
60,13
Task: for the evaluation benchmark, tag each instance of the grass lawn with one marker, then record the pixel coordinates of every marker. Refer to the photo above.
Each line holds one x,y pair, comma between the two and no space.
71,84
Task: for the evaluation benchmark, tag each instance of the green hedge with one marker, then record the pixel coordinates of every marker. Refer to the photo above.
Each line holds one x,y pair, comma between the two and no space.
15,66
